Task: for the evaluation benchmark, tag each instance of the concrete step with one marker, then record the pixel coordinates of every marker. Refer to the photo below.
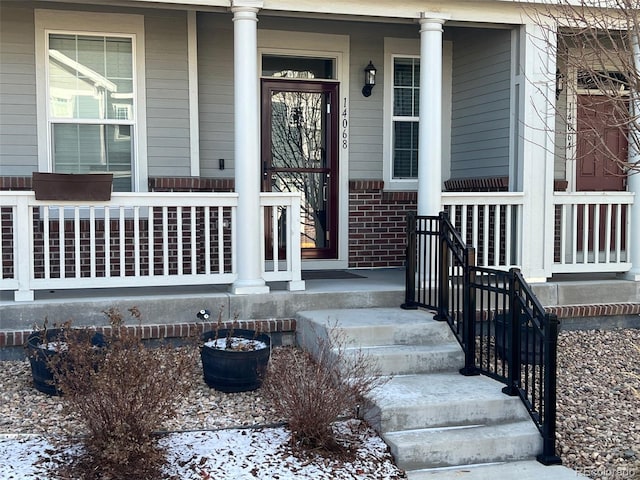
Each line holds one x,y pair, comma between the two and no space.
525,470
473,444
411,402
413,359
373,326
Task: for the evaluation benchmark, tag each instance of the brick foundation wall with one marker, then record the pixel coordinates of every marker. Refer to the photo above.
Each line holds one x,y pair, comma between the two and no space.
377,224
156,184
190,184
15,183
17,338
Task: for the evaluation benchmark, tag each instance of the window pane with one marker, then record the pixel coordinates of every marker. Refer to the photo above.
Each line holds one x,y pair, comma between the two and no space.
403,102
118,58
94,148
403,72
297,67
406,92
89,73
405,150
90,54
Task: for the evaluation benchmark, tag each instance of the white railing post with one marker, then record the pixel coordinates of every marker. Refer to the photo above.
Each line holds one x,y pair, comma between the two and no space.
295,253
23,246
287,226
535,171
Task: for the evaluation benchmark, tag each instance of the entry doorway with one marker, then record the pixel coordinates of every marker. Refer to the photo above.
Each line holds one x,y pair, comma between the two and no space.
596,170
300,154
599,145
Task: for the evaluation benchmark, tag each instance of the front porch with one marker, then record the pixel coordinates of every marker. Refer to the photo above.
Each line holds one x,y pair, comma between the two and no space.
188,239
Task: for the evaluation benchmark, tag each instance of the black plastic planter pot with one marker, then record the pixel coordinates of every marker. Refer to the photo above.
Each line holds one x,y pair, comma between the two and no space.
40,358
234,370
530,348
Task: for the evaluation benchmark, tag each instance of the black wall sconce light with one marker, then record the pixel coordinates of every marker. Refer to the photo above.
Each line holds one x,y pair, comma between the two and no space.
559,83
369,79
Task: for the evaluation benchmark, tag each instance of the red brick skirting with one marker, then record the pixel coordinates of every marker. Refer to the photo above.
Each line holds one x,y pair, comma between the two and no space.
377,224
190,184
15,183
17,338
481,184
596,310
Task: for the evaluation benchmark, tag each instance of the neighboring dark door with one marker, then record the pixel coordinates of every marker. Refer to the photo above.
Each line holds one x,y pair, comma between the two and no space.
595,169
300,154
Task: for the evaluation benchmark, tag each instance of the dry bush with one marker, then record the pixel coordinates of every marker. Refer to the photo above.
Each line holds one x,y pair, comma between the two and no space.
121,394
312,393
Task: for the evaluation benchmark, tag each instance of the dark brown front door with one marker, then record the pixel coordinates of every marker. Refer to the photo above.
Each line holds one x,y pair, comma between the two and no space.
300,154
596,171
599,143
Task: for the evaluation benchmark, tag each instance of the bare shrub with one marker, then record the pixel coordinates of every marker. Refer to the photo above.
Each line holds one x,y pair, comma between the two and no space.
121,394
313,393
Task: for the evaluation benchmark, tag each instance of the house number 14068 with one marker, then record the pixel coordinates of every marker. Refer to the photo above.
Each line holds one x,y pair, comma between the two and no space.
345,124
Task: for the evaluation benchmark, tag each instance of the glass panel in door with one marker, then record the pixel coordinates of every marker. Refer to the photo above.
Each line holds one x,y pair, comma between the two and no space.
301,157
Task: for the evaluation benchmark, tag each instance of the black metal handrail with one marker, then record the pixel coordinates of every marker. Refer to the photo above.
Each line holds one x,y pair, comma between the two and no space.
503,329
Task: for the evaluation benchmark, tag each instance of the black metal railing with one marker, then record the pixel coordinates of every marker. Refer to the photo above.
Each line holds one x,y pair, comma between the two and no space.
502,327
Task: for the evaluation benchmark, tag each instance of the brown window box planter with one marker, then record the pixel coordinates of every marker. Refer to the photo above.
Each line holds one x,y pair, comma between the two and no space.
72,186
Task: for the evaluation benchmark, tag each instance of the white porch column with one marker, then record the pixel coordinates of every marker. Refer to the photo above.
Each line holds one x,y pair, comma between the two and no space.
247,147
430,127
536,66
633,181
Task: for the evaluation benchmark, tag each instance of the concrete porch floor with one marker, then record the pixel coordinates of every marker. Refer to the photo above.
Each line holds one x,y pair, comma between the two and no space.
159,305
356,288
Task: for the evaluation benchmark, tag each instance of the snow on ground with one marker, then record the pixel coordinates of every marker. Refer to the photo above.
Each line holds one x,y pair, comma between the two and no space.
235,454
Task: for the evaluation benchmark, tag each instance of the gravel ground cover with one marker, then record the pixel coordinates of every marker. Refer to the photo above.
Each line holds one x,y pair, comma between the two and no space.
598,404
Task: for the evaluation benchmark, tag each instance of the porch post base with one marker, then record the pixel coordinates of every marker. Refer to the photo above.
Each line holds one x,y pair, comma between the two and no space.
633,275
296,285
249,287
23,296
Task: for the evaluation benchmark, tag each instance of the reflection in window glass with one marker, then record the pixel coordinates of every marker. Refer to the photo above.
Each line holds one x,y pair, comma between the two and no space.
91,105
298,67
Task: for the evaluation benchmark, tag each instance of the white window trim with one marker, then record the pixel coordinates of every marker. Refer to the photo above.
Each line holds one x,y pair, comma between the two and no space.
410,48
48,21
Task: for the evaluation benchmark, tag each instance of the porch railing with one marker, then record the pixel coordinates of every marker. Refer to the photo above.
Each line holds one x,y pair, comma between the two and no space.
502,327
491,223
136,239
592,232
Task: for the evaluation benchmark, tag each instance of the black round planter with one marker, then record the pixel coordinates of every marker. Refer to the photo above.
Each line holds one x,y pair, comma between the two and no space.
234,370
503,341
40,358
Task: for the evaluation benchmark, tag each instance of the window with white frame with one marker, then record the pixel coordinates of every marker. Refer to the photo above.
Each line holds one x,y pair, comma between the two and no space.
404,131
89,122
401,111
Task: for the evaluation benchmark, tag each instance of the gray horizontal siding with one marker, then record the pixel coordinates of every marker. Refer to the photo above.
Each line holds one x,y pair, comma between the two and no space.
18,134
366,114
167,78
480,114
215,94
